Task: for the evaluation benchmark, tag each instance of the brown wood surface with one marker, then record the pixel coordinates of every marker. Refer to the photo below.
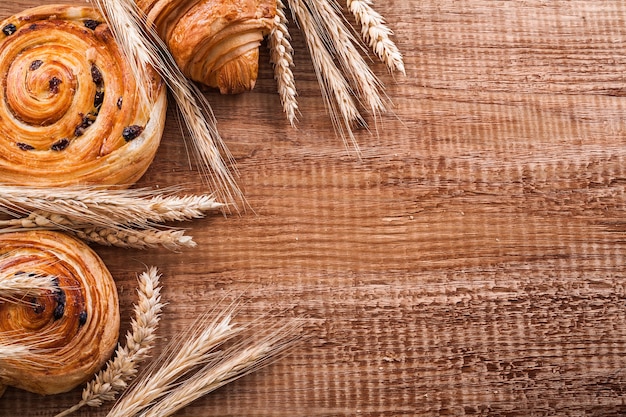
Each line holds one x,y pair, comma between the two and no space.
471,263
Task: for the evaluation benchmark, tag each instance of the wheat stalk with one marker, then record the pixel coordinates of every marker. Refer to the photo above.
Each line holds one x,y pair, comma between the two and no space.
196,348
142,45
236,362
172,239
335,90
114,378
81,206
376,34
281,56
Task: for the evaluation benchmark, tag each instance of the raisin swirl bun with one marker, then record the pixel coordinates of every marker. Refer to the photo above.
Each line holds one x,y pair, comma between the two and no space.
75,327
69,109
214,42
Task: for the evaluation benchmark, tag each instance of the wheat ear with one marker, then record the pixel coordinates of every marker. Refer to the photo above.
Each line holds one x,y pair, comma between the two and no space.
114,378
142,45
376,34
235,362
172,208
196,348
82,206
172,239
334,87
15,286
343,45
281,56
19,282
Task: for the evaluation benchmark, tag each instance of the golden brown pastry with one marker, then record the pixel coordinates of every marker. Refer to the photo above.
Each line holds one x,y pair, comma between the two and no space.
214,42
75,327
69,108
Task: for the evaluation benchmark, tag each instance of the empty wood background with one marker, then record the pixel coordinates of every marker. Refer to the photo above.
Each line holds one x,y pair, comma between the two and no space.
470,263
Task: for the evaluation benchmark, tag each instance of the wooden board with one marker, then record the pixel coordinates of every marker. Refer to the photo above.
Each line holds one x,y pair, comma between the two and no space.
470,263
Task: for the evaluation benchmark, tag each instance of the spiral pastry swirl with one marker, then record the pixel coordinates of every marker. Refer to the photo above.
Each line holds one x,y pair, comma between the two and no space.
73,328
69,108
214,42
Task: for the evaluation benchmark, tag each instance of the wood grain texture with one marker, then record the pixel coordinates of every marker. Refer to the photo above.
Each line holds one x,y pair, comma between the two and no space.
471,263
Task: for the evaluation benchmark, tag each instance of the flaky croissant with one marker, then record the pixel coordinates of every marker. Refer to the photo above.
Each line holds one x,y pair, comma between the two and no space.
69,108
73,329
214,42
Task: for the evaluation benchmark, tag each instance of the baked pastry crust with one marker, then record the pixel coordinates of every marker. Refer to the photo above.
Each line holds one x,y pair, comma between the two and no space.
69,109
214,42
74,329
